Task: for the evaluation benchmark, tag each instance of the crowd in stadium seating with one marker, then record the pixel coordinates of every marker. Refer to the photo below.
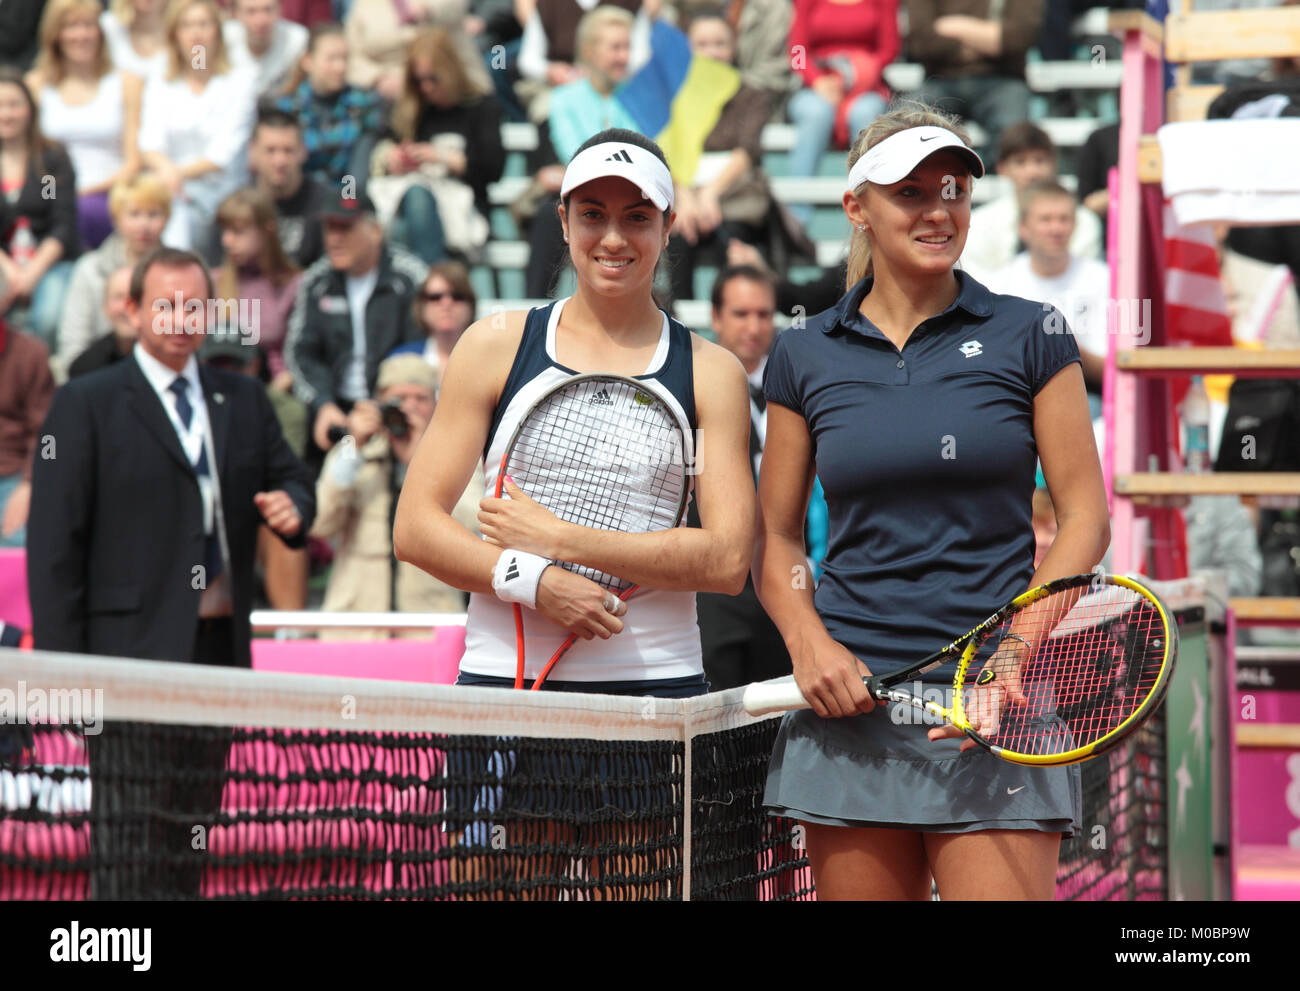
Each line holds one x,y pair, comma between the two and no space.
335,160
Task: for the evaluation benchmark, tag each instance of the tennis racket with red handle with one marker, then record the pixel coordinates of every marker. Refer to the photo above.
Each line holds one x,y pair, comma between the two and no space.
602,451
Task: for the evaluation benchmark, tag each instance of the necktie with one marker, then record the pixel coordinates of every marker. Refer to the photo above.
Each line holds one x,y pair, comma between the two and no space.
760,400
180,387
212,552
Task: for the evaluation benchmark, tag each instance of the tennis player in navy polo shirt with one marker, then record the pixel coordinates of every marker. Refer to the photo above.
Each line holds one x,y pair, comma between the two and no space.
923,402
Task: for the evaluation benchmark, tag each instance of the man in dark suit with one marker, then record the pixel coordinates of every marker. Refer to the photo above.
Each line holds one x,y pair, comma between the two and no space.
141,543
740,643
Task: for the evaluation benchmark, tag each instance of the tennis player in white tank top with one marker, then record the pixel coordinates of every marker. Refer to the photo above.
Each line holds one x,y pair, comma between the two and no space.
616,212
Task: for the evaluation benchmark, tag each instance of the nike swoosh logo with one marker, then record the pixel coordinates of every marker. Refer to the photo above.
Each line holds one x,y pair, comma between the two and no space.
1012,791
930,138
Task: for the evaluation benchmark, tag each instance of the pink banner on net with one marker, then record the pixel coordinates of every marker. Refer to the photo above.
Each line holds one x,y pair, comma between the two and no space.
13,588
434,661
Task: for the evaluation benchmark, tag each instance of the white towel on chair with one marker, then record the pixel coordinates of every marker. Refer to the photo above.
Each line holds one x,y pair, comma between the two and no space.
1242,171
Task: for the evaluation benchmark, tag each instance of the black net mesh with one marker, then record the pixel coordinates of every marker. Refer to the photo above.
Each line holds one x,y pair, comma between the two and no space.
158,811
1122,852
738,852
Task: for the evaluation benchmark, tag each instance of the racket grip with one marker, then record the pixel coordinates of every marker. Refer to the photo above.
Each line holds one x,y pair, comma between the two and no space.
763,697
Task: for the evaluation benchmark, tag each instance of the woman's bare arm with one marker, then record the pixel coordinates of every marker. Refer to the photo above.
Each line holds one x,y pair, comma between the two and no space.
1068,451
424,533
829,676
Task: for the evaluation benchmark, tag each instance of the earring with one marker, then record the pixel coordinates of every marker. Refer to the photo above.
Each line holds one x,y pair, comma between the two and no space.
862,227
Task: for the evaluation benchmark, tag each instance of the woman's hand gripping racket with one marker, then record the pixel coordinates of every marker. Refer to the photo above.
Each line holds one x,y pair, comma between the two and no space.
601,451
1060,674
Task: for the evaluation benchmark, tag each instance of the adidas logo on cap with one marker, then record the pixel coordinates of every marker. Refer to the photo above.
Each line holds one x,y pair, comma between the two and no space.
620,156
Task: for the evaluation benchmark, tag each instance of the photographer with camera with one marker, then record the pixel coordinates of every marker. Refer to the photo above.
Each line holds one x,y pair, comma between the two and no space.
357,497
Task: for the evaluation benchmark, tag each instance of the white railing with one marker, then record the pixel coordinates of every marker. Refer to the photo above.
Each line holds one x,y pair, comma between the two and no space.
310,619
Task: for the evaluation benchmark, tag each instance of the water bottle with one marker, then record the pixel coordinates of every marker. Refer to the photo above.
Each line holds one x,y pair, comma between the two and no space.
1195,411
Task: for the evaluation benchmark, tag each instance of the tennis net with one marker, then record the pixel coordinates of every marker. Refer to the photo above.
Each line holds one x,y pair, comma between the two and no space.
135,780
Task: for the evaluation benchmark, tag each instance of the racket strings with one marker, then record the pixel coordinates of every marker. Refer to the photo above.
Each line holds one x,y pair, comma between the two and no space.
1097,657
605,454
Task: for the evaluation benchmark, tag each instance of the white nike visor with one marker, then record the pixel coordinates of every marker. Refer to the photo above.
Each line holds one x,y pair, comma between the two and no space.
616,158
895,157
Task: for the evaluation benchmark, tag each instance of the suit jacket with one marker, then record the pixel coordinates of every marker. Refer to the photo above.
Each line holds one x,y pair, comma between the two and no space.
116,525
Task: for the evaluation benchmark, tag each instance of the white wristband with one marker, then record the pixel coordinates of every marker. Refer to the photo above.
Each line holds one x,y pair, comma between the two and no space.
517,575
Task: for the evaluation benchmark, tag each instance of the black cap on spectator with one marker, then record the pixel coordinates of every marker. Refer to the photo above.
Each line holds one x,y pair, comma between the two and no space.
348,208
228,345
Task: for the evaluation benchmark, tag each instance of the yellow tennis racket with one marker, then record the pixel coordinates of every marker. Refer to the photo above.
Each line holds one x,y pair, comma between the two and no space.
1061,673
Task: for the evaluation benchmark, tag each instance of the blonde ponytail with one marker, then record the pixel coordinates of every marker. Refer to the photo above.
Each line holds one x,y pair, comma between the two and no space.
859,258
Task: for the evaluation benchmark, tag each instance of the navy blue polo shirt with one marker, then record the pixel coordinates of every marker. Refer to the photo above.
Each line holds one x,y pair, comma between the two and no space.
927,457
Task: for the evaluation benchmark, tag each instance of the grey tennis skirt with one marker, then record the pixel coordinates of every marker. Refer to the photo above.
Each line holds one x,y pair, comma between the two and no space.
881,770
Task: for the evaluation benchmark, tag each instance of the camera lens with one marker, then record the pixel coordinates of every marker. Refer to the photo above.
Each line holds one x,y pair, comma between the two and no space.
394,419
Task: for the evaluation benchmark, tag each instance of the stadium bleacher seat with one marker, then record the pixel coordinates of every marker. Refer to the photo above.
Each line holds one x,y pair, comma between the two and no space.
904,77
1048,77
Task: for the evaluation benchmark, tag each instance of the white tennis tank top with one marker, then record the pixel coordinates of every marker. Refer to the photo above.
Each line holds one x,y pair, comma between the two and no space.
660,637
118,38
92,132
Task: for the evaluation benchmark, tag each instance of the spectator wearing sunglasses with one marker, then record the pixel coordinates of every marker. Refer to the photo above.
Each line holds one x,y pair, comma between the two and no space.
444,307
